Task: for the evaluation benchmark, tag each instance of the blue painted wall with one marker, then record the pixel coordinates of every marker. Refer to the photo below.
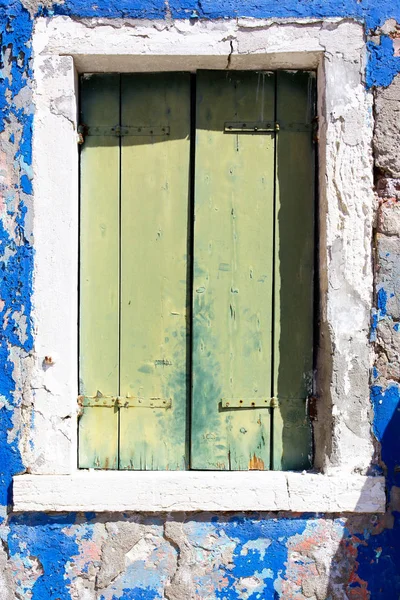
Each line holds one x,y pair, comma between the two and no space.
251,556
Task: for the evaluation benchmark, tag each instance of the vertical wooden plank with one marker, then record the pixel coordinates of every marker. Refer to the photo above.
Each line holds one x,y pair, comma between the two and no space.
99,271
154,293
233,264
294,270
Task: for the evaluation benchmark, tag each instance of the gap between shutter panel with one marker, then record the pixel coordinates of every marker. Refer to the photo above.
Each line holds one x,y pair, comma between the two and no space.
233,271
99,273
154,265
294,271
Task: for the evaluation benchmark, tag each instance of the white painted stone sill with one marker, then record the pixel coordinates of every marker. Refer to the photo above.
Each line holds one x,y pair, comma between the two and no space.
163,491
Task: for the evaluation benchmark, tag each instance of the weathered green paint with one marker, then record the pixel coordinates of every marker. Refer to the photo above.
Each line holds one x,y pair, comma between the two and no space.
294,270
233,271
253,271
154,294
99,272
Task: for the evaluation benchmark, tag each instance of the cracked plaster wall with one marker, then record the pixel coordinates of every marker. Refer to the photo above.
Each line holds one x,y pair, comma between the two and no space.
88,556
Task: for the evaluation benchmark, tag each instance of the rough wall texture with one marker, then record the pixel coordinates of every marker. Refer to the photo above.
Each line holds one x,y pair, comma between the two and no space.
90,556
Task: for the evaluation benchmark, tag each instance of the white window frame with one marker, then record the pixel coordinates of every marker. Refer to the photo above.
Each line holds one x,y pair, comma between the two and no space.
63,48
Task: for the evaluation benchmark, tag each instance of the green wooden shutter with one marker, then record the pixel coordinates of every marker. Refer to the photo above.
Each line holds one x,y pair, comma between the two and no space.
294,270
253,271
253,259
154,295
99,273
233,271
133,297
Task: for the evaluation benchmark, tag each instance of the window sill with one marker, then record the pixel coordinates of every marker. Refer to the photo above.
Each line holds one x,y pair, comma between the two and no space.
167,491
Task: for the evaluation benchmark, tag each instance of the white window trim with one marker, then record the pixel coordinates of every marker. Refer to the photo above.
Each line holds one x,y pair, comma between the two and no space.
64,47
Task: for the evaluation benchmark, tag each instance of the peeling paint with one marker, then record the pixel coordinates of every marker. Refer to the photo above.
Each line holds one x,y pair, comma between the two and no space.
93,557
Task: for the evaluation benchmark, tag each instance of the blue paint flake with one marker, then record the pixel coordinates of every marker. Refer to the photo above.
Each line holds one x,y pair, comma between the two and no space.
374,325
16,252
137,593
26,184
247,561
382,66
382,301
45,538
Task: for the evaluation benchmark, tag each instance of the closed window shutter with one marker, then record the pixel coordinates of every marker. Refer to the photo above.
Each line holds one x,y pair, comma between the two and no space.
154,265
294,270
134,267
233,271
197,350
99,274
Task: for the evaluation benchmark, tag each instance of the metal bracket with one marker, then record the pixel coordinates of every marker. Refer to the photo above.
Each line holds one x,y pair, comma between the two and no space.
122,131
99,400
313,408
266,127
250,127
249,402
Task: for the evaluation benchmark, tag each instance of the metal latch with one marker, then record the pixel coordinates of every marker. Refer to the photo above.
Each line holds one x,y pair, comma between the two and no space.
249,402
250,127
99,400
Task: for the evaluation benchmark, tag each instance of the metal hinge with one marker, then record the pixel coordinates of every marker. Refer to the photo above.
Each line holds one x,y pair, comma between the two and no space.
122,131
100,400
312,405
250,127
235,403
269,127
249,402
82,132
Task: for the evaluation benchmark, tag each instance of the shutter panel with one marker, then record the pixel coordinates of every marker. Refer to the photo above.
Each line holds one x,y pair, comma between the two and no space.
99,273
294,268
253,261
233,271
154,246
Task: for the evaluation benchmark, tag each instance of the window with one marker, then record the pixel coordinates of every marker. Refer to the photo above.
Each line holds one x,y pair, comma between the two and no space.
196,270
336,49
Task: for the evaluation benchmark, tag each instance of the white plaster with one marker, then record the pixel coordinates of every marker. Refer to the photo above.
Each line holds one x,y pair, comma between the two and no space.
55,164
155,491
336,48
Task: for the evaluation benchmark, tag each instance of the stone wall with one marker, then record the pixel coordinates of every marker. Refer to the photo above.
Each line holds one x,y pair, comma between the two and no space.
183,556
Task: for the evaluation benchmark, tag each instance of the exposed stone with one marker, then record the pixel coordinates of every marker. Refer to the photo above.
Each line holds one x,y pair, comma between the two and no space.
6,580
387,128
181,586
389,27
32,6
388,187
388,350
388,220
122,537
388,275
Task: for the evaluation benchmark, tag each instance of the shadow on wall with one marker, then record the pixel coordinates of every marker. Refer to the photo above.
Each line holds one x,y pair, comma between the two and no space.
366,564
264,556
